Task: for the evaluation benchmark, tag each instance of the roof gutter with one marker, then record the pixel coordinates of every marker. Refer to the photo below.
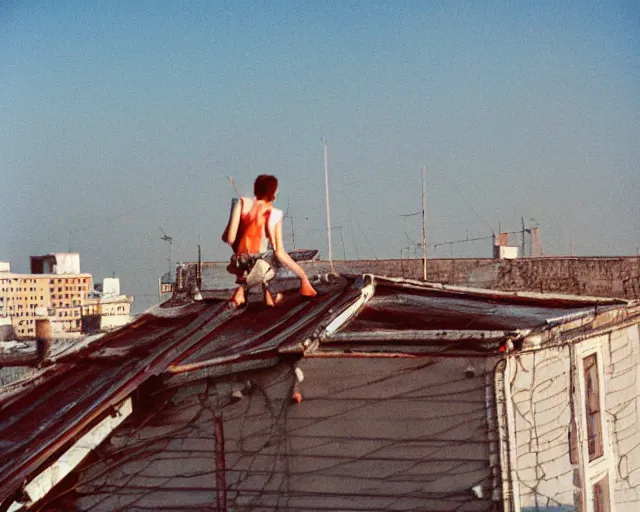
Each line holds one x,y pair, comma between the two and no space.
419,336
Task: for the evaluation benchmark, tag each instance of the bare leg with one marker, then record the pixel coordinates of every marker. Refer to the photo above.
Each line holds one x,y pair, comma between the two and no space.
271,300
239,297
305,285
306,289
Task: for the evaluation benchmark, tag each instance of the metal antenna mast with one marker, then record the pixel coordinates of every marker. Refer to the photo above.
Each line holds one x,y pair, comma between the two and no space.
233,184
167,238
523,238
293,233
424,232
326,186
344,251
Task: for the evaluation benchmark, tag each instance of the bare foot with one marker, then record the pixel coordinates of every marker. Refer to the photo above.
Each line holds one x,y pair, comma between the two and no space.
306,290
270,300
239,297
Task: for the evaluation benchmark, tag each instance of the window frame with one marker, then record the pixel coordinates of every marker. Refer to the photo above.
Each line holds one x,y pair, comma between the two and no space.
601,495
594,468
593,405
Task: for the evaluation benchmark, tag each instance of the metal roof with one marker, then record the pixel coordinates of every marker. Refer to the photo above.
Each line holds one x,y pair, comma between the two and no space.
42,415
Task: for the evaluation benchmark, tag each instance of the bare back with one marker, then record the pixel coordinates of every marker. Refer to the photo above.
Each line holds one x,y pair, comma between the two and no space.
257,225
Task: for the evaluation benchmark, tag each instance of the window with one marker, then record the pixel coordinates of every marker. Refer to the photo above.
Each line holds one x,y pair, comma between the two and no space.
601,495
592,403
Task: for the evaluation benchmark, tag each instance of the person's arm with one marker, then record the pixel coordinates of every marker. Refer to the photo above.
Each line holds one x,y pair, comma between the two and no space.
234,223
275,236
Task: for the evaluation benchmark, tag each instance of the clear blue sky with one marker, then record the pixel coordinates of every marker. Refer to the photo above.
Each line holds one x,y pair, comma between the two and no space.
120,117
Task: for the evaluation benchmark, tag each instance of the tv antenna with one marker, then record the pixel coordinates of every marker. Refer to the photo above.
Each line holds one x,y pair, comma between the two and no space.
233,184
293,233
424,232
344,251
326,187
167,238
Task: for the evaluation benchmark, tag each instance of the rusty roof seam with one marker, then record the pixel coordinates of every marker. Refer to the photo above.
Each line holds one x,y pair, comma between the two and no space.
425,335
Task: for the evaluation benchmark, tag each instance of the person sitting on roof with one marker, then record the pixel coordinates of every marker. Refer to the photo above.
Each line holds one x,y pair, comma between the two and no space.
253,225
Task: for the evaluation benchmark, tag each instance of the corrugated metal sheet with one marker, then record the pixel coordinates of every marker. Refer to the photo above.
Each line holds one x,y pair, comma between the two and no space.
42,415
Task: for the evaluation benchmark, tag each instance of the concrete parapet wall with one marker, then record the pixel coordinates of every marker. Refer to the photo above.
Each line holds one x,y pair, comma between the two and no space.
604,277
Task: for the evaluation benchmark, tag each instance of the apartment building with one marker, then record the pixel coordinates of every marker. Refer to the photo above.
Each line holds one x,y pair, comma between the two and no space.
106,308
57,291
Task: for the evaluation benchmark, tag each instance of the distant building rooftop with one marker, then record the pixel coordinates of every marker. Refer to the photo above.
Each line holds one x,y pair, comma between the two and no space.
56,263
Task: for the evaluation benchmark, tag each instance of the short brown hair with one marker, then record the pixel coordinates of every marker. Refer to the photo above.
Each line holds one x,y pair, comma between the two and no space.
265,187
